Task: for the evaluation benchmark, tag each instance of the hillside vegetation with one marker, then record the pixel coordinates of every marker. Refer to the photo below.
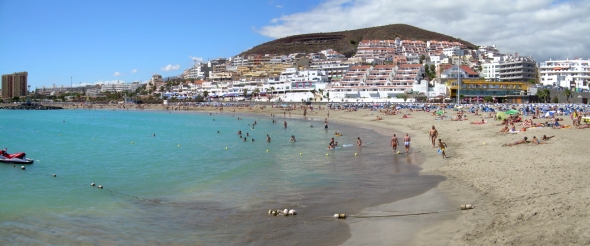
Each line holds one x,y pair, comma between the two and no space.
346,42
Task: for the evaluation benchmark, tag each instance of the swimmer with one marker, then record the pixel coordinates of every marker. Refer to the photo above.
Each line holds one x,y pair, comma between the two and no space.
285,124
217,132
293,138
252,140
267,138
155,134
239,132
245,139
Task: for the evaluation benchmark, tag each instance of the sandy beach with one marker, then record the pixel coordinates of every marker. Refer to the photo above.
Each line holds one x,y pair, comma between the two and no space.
522,195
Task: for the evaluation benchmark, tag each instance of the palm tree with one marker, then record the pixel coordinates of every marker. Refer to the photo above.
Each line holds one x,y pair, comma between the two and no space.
543,94
568,93
245,92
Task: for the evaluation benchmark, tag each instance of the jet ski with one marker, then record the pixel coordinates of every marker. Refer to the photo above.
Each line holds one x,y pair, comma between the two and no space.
16,158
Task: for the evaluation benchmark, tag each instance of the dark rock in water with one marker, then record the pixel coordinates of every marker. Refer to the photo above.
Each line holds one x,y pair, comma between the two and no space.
30,106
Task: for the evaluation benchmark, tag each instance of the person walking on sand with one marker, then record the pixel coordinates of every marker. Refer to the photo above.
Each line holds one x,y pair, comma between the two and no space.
442,145
359,142
407,140
433,135
394,143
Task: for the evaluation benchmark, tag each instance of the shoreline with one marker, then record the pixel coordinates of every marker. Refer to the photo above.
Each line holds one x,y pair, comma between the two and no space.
525,194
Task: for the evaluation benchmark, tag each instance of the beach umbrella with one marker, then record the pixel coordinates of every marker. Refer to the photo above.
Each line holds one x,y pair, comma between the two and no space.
501,116
512,111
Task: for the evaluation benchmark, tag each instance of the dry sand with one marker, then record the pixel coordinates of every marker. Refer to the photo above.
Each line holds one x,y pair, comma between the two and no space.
523,195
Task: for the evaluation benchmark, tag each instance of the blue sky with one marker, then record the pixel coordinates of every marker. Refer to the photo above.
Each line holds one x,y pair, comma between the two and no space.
92,40
107,41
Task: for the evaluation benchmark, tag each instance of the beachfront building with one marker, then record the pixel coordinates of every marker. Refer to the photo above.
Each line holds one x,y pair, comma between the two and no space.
566,73
376,82
474,90
120,87
491,70
454,71
14,85
518,68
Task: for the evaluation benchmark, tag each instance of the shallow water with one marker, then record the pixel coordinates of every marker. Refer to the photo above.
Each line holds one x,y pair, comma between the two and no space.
189,184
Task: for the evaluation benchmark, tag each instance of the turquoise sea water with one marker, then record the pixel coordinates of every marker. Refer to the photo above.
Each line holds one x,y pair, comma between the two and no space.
189,184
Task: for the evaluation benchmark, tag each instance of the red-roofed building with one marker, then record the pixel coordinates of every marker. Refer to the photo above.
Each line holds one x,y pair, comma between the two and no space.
452,72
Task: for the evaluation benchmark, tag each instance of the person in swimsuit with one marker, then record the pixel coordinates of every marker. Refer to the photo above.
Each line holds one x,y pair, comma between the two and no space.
331,144
523,141
326,124
394,143
267,138
293,138
359,142
407,140
545,138
285,124
536,141
442,145
433,136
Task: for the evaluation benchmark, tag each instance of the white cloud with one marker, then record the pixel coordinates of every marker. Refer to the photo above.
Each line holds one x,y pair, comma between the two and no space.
117,74
170,67
197,59
102,82
134,71
543,29
279,6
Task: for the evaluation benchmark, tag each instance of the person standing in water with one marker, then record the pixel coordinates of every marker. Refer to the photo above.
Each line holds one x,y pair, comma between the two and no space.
394,143
359,142
285,124
407,140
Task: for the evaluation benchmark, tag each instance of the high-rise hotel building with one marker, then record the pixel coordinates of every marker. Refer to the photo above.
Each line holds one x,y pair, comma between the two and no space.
14,85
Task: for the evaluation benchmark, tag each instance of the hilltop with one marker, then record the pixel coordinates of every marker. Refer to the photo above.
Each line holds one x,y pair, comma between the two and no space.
346,42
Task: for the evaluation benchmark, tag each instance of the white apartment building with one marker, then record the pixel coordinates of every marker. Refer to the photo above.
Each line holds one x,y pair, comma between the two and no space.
565,73
119,87
491,70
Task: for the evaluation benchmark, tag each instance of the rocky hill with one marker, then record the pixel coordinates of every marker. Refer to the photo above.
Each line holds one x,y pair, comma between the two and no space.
347,41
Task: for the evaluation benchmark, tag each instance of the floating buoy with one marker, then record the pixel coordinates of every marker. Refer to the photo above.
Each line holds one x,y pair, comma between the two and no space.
398,151
340,216
54,175
179,145
354,154
266,150
225,147
100,186
300,153
92,138
92,184
59,134
327,154
22,167
132,142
